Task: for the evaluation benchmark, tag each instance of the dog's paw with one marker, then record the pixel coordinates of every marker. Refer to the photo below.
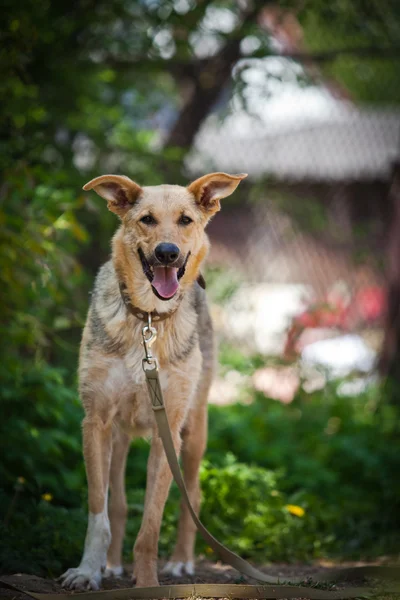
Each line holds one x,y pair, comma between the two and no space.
110,571
81,578
179,568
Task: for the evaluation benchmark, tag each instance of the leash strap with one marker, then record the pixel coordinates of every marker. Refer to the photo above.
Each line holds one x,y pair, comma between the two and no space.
206,590
229,557
154,387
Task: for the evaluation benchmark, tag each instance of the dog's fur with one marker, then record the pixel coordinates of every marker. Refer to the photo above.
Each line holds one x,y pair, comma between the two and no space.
112,385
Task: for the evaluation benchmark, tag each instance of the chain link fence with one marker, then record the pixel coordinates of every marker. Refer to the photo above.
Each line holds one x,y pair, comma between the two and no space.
304,240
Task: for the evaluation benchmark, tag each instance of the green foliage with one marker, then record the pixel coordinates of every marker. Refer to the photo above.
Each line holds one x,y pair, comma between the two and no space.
371,76
242,505
292,482
39,272
337,454
222,283
40,538
245,507
232,357
39,431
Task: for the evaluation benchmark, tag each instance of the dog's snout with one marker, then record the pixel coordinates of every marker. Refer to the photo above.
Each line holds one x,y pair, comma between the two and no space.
166,253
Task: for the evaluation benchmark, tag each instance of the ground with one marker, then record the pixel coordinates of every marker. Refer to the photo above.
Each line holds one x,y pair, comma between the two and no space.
206,572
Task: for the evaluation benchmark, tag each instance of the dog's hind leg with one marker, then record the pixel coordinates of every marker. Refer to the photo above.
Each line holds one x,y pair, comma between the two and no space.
118,507
97,439
194,443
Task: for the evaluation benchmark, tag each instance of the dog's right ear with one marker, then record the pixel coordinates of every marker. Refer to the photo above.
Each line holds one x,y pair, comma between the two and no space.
209,189
119,191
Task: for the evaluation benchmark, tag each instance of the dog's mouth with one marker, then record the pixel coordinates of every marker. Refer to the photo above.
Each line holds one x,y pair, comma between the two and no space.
164,280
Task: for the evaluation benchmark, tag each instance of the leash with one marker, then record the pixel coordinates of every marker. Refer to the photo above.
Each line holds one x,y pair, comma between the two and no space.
206,590
273,591
150,367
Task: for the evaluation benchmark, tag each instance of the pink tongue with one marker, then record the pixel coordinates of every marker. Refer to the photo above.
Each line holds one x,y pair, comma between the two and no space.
165,281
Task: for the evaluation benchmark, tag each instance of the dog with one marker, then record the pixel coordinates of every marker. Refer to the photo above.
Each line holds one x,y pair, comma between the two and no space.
157,254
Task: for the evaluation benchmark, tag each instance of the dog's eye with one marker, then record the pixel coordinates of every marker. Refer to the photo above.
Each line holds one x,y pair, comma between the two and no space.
184,220
148,220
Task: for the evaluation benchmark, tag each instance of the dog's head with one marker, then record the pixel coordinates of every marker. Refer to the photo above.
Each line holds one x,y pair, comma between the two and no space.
163,226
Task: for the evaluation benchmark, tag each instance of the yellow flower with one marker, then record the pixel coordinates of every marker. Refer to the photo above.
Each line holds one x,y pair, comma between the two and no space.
21,480
48,497
295,510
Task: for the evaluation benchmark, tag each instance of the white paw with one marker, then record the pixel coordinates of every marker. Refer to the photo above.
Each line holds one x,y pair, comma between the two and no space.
81,578
179,568
113,571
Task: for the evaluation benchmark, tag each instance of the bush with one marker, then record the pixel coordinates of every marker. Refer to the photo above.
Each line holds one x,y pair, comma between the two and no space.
40,432
40,538
339,455
246,508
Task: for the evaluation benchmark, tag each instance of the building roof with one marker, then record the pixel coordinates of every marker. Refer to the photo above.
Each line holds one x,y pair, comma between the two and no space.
352,145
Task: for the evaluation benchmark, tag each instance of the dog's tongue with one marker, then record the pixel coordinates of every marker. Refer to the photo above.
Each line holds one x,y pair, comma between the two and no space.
165,281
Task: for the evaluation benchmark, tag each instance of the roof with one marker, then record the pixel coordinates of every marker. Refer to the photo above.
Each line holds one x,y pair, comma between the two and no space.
354,144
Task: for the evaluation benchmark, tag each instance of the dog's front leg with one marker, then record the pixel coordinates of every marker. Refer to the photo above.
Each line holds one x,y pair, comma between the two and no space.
97,453
159,479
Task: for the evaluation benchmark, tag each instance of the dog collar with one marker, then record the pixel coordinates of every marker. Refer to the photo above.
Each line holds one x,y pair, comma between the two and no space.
142,314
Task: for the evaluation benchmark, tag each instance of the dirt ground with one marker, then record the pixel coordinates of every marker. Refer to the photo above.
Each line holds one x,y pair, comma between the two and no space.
206,572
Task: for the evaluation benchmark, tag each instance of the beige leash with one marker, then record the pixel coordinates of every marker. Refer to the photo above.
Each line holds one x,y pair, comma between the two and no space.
150,368
207,590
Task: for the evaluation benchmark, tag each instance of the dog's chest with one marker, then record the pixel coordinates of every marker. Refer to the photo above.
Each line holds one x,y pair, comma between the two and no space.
124,389
134,413
133,363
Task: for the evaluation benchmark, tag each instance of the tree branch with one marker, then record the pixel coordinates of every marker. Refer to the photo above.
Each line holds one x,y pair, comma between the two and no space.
211,78
329,55
189,67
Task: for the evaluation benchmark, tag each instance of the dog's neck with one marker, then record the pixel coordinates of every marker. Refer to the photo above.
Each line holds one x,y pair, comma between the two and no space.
140,313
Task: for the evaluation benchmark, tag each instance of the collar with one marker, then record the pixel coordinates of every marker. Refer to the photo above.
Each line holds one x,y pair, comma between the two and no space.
141,314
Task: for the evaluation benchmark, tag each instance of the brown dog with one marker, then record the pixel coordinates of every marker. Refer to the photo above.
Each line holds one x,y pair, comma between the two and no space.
157,253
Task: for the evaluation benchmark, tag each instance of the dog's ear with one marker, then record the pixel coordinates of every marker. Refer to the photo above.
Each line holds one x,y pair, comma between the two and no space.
209,189
119,191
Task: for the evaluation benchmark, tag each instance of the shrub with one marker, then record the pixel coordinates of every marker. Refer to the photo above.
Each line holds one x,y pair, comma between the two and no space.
245,508
340,455
40,432
40,538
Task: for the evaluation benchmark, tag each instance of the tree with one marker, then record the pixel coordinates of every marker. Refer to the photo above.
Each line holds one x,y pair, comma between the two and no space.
356,44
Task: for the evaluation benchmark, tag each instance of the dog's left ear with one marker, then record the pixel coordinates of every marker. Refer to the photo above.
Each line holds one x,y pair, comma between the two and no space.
209,189
119,191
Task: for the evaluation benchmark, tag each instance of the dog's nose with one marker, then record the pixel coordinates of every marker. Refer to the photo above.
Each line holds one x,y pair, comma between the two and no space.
166,253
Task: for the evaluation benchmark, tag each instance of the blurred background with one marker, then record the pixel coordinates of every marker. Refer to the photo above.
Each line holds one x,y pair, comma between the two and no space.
303,275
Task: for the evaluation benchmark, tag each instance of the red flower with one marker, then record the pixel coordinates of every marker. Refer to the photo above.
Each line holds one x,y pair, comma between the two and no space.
370,303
